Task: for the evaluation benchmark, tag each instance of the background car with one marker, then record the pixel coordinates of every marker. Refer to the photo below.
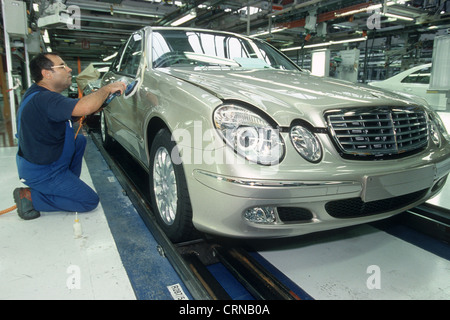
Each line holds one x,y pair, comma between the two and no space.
238,141
415,82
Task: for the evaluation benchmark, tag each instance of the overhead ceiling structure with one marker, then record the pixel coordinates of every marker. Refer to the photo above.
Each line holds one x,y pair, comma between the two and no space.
100,27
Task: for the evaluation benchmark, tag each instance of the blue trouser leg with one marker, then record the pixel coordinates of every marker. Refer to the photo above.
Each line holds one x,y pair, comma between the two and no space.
77,159
57,187
66,192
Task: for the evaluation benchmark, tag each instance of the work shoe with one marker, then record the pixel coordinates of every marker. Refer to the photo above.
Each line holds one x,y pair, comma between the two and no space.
25,209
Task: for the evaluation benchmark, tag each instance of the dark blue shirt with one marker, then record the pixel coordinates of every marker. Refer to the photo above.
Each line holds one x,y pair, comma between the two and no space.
43,125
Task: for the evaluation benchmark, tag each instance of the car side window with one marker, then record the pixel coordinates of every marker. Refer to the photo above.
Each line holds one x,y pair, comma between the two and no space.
115,64
420,76
131,58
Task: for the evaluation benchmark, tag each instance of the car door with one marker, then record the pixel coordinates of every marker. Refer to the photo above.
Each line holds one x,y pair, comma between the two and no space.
125,111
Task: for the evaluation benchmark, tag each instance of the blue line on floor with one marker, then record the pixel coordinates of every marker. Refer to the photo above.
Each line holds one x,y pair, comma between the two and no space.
148,271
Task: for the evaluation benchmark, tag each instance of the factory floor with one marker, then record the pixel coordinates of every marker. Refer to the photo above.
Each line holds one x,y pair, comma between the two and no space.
116,258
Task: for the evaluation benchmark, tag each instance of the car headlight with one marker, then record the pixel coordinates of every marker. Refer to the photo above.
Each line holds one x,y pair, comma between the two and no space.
437,126
249,134
306,143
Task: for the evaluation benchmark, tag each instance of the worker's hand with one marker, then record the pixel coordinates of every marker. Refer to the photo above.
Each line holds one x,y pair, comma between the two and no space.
117,86
92,102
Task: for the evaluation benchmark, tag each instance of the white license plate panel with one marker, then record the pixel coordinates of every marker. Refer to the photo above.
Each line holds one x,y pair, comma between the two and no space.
378,187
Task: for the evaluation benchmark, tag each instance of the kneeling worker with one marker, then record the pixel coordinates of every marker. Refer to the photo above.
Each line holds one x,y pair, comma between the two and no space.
49,158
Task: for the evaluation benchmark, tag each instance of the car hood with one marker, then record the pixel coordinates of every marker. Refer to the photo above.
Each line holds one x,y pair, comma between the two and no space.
287,95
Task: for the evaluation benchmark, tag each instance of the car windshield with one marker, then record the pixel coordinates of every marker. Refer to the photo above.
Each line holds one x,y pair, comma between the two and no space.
192,48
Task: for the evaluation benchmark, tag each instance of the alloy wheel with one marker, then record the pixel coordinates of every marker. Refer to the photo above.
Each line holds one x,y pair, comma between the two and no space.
165,186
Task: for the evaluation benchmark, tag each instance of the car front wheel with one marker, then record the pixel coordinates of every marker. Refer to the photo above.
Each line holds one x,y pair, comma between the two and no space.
169,192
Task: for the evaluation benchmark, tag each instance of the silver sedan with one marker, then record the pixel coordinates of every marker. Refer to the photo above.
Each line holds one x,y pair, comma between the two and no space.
238,141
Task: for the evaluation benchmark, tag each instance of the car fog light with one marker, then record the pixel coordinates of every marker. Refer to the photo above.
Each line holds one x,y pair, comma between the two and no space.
265,215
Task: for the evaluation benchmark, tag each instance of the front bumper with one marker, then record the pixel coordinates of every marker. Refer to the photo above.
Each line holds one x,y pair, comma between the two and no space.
220,201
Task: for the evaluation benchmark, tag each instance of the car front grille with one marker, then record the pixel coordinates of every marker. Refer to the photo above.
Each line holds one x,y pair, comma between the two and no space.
378,132
355,207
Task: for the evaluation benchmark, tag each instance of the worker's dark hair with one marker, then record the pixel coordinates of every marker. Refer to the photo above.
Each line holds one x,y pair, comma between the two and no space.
38,63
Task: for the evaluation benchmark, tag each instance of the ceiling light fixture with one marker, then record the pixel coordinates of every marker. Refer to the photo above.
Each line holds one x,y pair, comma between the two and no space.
391,15
323,44
369,9
315,45
46,37
267,32
191,15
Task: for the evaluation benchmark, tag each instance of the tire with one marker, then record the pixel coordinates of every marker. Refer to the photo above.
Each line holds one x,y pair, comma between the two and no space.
107,141
168,190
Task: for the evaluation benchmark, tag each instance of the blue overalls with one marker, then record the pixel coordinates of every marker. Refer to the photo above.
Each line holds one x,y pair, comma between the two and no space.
57,186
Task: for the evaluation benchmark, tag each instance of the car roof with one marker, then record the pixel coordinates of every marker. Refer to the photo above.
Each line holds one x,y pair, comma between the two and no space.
193,29
407,72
